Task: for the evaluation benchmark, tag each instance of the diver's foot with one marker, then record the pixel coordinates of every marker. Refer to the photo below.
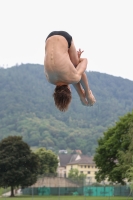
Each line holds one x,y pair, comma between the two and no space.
90,97
84,102
83,99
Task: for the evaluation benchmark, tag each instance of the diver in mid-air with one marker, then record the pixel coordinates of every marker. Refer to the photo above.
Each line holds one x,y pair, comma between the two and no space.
63,66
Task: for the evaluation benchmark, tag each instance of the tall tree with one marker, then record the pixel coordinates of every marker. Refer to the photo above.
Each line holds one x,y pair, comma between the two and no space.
48,161
18,164
111,148
75,175
127,159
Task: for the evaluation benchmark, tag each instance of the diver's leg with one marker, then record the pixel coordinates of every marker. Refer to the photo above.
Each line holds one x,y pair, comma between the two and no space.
88,93
81,93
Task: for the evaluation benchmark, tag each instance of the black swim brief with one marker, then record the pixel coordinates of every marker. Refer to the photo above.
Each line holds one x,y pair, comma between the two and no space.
62,33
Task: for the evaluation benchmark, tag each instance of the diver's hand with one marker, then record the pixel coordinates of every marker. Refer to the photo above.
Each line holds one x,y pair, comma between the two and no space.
79,52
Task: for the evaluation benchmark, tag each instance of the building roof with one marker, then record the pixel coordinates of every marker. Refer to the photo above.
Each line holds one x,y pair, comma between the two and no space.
83,160
73,157
65,159
70,159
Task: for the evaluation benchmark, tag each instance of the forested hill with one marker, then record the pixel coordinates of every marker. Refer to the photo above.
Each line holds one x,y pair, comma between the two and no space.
27,109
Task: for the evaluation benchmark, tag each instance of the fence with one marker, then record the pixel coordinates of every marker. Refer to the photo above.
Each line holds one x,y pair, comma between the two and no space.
50,185
56,186
85,191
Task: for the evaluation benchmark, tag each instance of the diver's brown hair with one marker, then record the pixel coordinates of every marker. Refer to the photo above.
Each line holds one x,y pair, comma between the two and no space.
62,97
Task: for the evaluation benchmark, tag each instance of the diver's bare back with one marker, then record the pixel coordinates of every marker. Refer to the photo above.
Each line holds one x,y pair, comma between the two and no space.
58,66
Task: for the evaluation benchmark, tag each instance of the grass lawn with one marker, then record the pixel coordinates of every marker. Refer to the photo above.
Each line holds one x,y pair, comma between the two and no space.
1,191
66,198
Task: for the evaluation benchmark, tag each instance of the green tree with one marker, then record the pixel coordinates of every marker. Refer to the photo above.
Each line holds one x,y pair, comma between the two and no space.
127,159
112,154
129,174
48,161
75,175
18,164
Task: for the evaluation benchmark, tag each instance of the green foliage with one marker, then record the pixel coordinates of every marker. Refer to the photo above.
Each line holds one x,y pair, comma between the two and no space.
115,149
129,175
76,176
27,108
127,157
48,161
18,165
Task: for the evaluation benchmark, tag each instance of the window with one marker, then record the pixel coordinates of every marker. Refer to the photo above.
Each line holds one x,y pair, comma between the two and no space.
89,172
85,166
81,172
88,166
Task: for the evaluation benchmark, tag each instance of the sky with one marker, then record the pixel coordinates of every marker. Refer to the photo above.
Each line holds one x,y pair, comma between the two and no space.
102,28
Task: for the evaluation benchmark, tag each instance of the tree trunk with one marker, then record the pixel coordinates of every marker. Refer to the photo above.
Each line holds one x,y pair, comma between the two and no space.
12,191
